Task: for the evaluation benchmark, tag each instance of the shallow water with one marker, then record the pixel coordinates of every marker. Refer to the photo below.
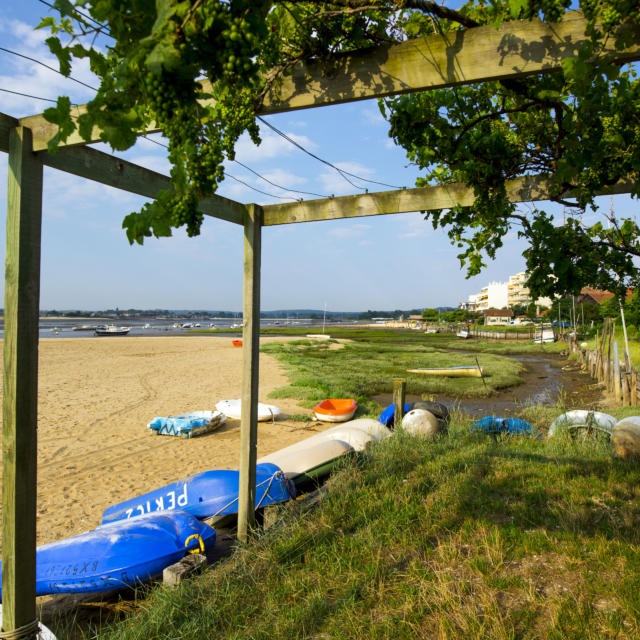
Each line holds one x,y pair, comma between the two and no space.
546,380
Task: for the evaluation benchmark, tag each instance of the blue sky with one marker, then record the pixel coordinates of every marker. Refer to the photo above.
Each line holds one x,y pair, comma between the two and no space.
381,262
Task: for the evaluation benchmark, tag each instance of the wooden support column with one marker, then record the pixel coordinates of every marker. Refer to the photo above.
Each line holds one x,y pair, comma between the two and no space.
399,390
250,359
20,382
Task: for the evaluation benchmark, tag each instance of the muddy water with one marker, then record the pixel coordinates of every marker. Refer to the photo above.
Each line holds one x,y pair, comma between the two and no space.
547,379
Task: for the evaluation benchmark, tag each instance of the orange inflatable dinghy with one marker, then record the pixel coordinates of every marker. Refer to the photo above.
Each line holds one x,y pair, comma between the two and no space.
335,409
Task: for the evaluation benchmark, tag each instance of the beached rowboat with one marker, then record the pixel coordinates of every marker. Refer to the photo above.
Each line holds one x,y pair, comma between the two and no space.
119,554
187,425
452,372
335,409
205,495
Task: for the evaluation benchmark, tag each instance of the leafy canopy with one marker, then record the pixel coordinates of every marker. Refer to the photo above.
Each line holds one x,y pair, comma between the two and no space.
580,127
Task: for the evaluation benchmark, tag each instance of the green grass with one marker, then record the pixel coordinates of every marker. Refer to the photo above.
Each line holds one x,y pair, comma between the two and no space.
464,537
362,369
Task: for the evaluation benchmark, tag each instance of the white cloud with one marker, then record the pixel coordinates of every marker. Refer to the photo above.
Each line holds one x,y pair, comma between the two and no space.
26,76
273,146
335,183
349,232
373,116
414,225
284,178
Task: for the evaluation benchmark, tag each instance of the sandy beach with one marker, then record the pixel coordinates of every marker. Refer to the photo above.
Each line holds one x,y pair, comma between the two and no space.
96,396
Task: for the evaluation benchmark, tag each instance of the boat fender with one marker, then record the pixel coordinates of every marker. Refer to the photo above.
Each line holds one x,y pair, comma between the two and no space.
422,422
625,438
388,415
582,420
438,409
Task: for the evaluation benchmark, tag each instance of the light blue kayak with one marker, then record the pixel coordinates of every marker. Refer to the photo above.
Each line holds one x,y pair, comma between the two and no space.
206,494
119,554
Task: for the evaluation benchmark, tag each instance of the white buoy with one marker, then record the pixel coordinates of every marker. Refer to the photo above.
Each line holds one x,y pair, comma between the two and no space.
421,422
625,437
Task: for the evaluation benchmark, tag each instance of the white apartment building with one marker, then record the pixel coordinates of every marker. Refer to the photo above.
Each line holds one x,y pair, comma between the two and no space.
519,292
494,296
500,295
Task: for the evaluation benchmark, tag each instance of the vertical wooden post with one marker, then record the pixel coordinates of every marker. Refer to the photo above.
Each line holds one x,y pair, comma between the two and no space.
20,382
617,388
250,360
399,388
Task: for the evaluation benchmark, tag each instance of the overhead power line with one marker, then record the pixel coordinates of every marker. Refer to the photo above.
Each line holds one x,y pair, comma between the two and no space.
46,66
102,27
228,175
308,193
342,172
26,95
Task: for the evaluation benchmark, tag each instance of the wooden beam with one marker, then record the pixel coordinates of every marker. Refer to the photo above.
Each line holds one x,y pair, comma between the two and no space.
528,189
250,362
516,49
6,124
20,382
107,169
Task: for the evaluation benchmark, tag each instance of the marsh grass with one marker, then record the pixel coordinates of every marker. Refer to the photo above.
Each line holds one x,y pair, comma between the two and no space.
463,537
364,369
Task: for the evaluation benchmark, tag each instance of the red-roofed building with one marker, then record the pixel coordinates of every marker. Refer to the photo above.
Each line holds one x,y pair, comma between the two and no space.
497,316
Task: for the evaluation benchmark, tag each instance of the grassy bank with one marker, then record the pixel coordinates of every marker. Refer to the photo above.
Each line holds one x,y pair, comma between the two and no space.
464,537
362,369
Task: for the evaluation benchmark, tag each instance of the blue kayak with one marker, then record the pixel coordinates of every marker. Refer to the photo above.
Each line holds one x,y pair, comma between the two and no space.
513,426
120,554
206,494
388,415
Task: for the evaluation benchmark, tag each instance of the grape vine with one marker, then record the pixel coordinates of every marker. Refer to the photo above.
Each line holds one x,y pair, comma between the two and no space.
199,69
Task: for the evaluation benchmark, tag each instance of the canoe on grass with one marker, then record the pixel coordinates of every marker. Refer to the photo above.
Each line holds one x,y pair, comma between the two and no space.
120,554
452,372
335,409
205,494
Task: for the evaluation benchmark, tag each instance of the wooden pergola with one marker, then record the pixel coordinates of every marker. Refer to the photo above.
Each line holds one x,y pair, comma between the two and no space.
514,50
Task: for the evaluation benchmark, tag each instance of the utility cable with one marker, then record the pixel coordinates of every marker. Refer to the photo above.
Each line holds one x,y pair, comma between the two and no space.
308,193
102,27
342,172
46,66
26,95
246,184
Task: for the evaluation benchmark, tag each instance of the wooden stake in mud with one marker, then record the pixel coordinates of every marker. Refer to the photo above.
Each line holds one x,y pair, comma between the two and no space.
250,359
20,383
399,388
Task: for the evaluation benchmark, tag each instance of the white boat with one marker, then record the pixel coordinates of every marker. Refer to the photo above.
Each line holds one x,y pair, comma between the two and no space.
318,336
112,330
232,409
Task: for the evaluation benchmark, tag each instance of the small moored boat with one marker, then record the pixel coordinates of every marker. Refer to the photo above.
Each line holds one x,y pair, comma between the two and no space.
112,330
452,372
335,409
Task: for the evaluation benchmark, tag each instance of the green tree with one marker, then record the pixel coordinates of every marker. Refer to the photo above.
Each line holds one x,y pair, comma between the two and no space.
430,315
201,70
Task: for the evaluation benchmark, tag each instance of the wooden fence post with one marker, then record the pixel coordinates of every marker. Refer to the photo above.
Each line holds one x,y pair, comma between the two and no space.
250,361
20,382
617,388
399,388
